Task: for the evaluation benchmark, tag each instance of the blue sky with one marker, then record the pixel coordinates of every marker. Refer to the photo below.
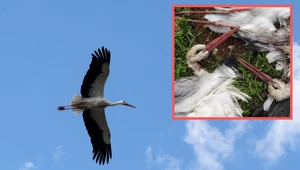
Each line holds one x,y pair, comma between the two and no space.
45,52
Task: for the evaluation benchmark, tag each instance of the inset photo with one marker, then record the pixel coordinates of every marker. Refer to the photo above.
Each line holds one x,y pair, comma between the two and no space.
232,62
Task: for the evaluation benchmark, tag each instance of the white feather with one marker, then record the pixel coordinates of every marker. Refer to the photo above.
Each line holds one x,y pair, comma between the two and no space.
256,24
274,56
221,102
75,100
207,83
268,102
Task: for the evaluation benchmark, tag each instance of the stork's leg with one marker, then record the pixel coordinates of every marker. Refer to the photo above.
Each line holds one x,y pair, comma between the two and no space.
69,107
60,108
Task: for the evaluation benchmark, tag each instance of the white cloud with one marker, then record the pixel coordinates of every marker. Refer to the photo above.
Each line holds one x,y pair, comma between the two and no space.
210,145
282,135
148,153
58,153
296,60
27,166
169,162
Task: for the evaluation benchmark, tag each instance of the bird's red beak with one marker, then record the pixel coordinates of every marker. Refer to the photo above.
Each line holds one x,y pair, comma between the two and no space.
261,75
127,104
219,40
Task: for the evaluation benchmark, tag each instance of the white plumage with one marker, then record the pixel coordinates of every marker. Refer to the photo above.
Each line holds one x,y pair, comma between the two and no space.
221,102
256,24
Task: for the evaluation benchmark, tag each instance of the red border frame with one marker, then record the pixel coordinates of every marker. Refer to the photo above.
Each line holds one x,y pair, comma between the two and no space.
235,5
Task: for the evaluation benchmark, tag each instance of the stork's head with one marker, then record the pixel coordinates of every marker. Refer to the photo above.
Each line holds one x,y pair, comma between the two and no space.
194,55
197,53
201,51
279,90
126,104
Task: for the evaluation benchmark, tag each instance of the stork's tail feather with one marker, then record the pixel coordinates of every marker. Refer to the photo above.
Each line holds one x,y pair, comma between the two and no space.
75,100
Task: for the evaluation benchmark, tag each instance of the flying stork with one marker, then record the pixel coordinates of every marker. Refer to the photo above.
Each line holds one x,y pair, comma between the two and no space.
92,103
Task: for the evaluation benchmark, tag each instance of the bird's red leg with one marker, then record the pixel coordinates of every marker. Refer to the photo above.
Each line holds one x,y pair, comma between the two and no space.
60,108
76,105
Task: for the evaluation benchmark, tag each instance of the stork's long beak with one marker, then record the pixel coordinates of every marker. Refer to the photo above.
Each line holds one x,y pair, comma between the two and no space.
216,42
261,75
127,104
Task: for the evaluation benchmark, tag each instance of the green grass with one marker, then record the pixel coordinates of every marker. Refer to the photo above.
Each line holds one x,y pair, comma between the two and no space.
186,37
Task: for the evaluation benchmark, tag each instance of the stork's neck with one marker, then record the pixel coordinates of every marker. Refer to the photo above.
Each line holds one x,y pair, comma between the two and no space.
224,71
116,103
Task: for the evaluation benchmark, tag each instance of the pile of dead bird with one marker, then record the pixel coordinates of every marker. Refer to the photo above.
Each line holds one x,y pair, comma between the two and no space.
212,94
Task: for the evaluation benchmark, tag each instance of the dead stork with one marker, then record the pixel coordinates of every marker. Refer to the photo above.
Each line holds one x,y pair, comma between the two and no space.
92,103
211,94
195,95
277,103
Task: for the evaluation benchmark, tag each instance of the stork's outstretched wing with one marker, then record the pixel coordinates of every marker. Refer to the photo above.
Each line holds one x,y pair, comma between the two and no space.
96,125
95,78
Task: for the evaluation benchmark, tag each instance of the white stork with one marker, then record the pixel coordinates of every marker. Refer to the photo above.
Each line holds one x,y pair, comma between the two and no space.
209,94
92,103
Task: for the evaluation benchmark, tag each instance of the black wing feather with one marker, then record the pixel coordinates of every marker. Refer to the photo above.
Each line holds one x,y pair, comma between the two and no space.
98,59
101,150
277,109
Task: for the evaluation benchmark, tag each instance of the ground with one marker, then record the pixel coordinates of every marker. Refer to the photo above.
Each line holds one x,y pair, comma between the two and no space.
188,34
